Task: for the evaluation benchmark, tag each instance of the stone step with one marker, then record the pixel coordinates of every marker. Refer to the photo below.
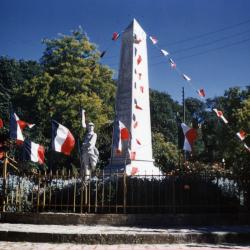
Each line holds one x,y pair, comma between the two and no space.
101,234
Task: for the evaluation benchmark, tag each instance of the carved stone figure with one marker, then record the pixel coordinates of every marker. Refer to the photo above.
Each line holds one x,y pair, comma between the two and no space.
90,153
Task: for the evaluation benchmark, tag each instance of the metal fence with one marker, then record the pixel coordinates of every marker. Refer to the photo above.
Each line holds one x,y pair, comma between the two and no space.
118,193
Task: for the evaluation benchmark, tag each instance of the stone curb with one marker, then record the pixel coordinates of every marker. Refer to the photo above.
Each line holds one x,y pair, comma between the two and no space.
211,238
167,220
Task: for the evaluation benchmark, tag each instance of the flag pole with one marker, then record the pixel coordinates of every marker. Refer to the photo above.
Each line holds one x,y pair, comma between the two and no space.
184,116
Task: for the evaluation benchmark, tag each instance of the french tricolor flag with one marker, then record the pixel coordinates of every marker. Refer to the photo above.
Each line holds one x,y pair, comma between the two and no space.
190,136
15,128
33,152
62,139
121,133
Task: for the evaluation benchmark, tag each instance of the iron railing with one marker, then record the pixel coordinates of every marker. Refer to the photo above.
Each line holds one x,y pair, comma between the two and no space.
63,191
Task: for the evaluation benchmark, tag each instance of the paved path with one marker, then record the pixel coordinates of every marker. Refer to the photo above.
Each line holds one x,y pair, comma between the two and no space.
63,246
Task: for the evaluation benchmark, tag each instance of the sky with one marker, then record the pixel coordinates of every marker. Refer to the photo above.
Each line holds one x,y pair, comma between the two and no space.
208,39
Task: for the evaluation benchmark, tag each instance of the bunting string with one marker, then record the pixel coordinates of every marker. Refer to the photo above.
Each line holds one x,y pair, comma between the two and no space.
201,92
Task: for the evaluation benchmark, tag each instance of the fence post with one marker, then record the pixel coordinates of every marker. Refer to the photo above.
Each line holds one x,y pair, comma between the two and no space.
96,195
50,193
38,192
124,191
4,181
74,201
103,187
44,190
173,183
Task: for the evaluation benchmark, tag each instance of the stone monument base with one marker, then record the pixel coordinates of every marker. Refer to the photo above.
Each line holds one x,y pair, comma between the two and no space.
134,168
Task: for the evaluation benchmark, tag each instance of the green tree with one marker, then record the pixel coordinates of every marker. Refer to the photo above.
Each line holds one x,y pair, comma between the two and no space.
72,78
165,153
163,114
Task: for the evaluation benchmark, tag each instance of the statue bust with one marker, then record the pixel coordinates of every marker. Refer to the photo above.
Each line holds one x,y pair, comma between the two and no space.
90,153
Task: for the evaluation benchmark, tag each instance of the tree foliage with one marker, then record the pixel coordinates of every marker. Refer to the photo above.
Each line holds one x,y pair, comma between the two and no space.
71,79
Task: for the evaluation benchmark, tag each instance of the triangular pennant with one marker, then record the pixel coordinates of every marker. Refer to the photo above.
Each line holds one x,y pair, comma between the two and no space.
153,39
185,77
220,115
172,63
242,135
164,52
201,92
115,36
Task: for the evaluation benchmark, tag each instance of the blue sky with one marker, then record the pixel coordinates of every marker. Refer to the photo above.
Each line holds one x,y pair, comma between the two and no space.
23,24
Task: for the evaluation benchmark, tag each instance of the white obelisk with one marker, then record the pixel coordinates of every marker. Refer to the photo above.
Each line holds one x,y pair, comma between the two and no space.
132,105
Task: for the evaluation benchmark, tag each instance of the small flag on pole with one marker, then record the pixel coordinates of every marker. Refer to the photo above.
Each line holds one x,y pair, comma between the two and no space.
33,151
190,136
220,115
15,128
121,133
153,39
62,139
164,52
